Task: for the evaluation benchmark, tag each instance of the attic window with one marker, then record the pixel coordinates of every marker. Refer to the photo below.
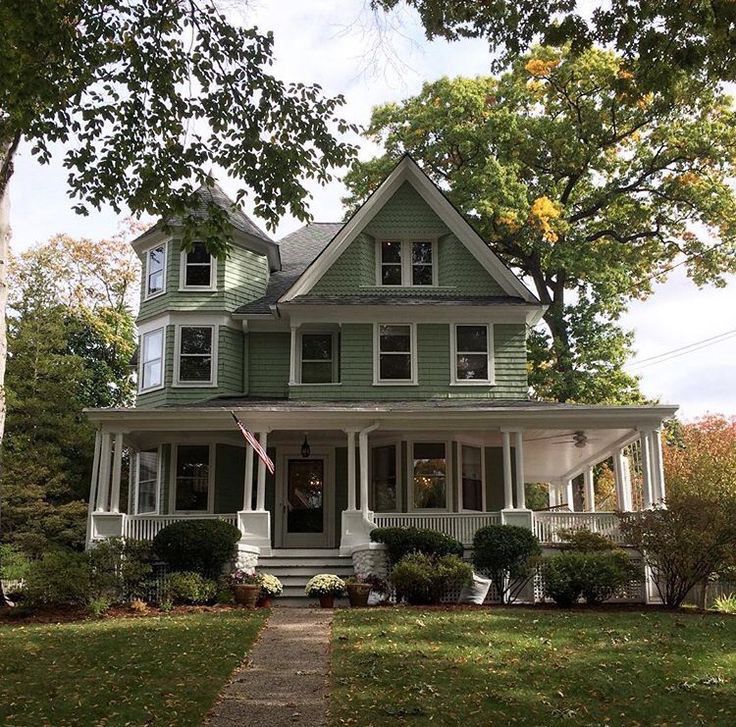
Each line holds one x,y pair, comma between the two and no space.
406,263
198,268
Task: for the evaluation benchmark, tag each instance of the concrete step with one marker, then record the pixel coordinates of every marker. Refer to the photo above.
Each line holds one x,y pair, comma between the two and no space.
305,553
305,570
305,562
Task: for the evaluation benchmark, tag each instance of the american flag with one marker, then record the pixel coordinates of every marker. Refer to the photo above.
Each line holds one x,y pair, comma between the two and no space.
248,435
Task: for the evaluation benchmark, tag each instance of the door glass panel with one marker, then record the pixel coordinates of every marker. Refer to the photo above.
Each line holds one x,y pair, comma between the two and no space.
305,496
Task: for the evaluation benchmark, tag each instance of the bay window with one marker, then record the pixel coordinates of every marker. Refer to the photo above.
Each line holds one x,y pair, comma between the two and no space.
192,478
198,268
395,353
151,360
155,271
196,352
429,476
472,361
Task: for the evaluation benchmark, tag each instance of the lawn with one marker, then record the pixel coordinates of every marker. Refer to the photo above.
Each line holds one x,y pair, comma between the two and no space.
156,670
532,667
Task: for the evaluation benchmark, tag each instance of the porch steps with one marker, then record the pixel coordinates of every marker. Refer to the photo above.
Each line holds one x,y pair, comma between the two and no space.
294,567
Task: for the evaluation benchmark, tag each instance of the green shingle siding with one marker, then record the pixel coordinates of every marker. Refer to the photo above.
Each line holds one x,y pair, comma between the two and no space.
268,364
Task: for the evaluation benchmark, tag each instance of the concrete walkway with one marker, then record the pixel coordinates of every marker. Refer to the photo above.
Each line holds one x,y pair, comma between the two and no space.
285,680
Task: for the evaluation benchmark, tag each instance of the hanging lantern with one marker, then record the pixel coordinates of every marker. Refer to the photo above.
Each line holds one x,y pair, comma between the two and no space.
306,449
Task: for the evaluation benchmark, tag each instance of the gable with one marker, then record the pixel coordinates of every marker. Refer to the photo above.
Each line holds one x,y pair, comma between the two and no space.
409,205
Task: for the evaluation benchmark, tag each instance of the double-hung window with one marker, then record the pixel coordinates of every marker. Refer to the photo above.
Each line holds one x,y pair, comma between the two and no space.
196,356
471,473
192,478
407,263
155,271
198,268
429,476
147,478
472,359
318,358
395,353
151,370
385,491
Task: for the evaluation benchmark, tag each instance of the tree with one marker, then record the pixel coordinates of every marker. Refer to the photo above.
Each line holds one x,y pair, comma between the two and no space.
664,36
585,184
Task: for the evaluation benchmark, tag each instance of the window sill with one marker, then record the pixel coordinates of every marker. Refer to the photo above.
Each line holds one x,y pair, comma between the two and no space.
472,383
329,383
151,390
194,289
395,383
154,295
194,385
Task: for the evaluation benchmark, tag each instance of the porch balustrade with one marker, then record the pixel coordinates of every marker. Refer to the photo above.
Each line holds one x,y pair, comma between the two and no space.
146,527
547,525
459,525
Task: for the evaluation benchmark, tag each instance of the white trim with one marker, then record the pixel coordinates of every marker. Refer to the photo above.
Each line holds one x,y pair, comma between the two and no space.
460,504
189,318
449,479
490,357
212,383
210,478
142,361
377,381
405,262
137,479
396,444
184,288
146,274
408,170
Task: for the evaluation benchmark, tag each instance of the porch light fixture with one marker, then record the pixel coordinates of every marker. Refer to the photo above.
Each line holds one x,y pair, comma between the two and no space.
306,449
580,439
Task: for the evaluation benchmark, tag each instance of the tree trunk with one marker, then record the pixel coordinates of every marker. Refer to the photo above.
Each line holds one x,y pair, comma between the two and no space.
563,359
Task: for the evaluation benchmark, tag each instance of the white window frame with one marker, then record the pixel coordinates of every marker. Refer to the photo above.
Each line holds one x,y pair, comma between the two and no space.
460,504
406,262
137,480
454,380
212,383
147,273
397,460
141,361
210,478
335,356
183,287
377,381
410,474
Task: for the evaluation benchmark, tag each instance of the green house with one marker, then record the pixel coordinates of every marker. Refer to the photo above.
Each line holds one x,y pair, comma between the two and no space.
381,363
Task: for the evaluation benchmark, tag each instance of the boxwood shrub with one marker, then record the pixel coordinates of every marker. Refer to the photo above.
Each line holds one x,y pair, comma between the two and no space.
201,546
402,541
190,588
421,579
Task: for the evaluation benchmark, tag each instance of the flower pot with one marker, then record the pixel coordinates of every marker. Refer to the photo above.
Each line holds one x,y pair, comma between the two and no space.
358,594
246,594
265,601
327,601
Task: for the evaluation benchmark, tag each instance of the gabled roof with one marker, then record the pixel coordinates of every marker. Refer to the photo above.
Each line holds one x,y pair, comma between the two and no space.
407,170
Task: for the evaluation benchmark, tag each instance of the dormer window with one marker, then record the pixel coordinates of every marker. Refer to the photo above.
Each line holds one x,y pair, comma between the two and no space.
406,263
198,268
155,271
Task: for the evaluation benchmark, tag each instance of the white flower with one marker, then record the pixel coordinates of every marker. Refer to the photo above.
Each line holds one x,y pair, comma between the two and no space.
325,584
270,585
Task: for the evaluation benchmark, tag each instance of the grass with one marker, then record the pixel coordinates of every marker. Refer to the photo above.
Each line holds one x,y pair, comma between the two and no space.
144,671
532,667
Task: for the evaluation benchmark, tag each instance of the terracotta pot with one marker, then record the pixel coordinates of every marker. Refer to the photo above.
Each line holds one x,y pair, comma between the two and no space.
358,594
265,601
327,601
246,594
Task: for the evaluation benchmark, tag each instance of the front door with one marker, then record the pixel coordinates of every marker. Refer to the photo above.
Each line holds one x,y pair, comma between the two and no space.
305,503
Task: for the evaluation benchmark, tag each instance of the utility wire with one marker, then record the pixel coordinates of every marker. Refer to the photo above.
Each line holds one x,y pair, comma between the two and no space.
682,350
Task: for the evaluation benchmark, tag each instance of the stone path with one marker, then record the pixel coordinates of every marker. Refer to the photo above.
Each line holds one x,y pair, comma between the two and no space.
284,683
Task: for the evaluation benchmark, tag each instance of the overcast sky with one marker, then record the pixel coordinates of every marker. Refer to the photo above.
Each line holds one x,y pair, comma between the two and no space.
336,43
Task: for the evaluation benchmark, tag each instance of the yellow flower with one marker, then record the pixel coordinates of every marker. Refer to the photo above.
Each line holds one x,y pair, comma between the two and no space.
539,68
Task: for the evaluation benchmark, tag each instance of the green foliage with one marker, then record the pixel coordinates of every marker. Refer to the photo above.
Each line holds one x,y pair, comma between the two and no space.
536,495
98,606
583,540
420,578
190,588
203,546
402,541
725,604
14,564
60,578
582,181
120,569
684,544
594,575
507,554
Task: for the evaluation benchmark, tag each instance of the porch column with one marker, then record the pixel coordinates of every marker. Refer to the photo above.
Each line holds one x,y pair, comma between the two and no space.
520,491
508,493
569,495
363,446
94,483
261,494
552,496
351,470
117,464
657,466
618,476
646,469
248,480
589,490
103,484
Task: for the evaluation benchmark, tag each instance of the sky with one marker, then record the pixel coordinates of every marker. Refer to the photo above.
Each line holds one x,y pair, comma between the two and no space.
338,44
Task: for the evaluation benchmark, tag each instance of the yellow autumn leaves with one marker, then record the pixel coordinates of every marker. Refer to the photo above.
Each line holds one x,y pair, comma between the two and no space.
542,212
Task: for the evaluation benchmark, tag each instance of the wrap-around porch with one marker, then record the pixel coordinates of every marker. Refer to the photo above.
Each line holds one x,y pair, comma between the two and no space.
341,471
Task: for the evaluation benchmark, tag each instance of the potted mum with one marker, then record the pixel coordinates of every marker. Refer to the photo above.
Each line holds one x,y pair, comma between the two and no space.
270,588
325,587
246,587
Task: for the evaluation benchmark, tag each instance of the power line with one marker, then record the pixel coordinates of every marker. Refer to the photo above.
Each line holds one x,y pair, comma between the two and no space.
683,350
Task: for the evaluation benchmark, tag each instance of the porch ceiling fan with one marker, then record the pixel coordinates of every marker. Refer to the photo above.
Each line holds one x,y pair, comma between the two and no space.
579,438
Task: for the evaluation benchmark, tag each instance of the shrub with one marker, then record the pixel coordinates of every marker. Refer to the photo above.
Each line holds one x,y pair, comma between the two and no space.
507,554
202,546
402,541
14,564
325,584
120,569
423,579
725,604
189,587
584,540
60,578
97,606
562,577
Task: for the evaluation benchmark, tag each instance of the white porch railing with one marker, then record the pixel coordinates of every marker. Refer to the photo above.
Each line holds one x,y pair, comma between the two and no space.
459,525
145,527
547,525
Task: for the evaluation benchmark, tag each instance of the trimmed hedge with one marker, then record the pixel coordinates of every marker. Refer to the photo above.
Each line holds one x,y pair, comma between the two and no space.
422,579
403,541
201,546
